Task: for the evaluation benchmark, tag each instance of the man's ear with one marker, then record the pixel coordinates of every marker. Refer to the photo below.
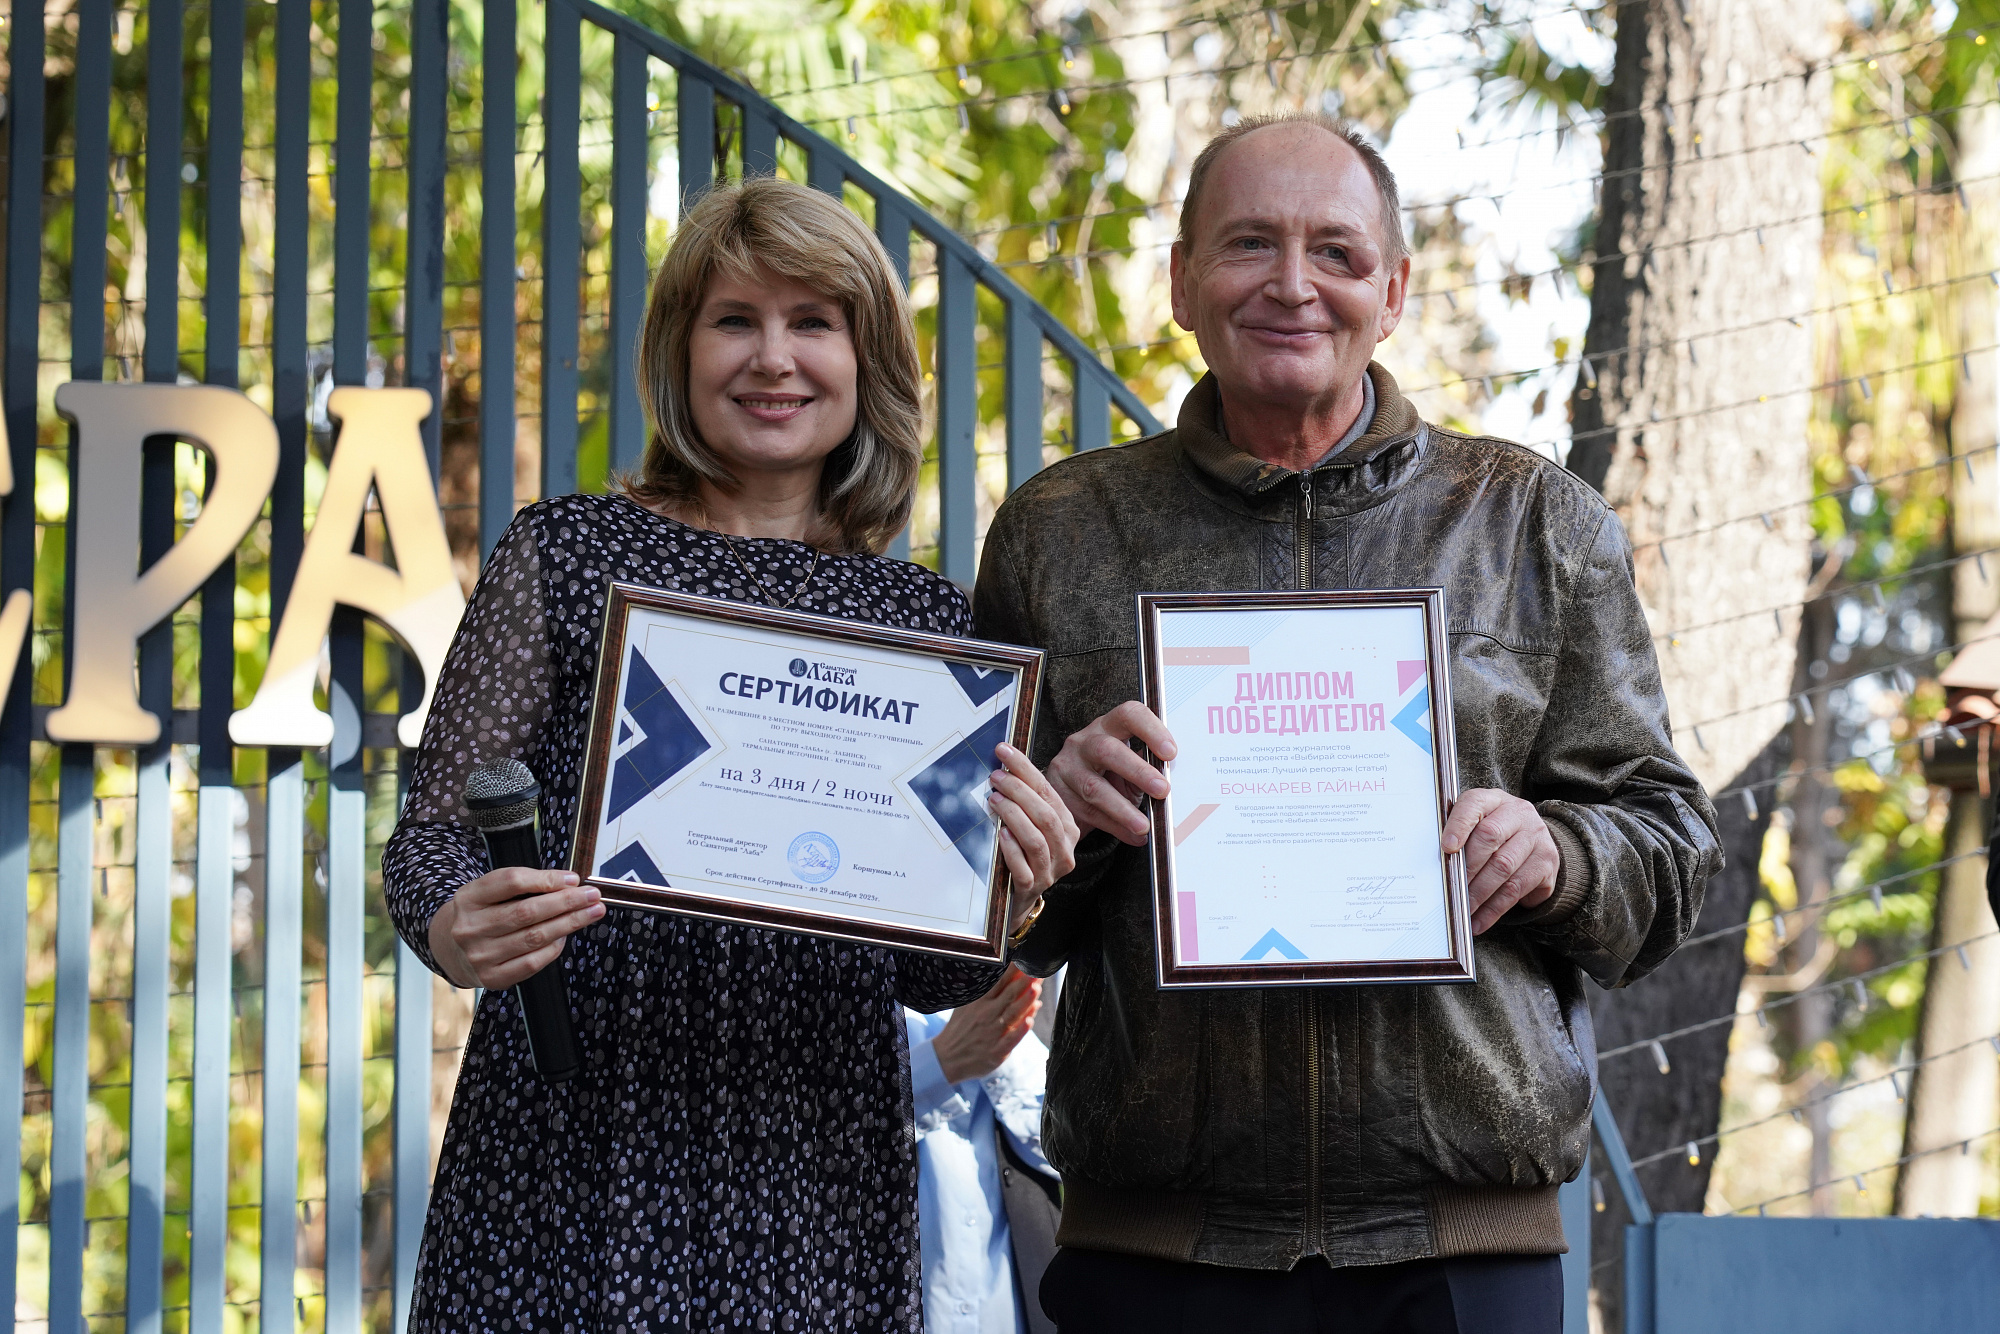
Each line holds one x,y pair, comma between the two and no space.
1177,285
1393,296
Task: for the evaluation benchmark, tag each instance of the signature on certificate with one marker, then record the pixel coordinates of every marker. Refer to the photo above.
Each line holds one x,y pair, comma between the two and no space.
1372,886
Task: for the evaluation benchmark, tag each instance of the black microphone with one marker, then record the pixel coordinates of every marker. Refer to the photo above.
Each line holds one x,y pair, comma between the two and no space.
503,798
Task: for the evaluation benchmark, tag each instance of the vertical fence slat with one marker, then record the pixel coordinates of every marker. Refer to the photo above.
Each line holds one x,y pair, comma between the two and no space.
695,136
152,919
958,417
413,1121
562,245
629,151
1091,409
430,50
346,822
351,188
153,833
284,793
760,142
215,832
496,278
1024,393
26,90
346,927
423,301
284,938
892,228
823,169
70,1092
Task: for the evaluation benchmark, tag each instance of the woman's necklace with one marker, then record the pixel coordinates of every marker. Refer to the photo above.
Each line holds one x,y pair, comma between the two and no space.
803,583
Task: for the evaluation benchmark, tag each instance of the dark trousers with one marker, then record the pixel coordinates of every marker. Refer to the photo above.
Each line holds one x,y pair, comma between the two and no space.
1098,1292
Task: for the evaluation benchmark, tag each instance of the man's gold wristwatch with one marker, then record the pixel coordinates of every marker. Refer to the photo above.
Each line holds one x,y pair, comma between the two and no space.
1027,925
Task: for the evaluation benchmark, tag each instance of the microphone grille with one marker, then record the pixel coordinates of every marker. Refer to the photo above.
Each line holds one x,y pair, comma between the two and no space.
501,793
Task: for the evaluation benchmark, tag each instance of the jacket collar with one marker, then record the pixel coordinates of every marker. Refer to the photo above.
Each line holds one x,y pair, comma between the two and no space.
1364,474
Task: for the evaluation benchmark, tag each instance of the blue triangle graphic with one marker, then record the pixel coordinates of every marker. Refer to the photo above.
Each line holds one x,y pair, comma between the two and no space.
1271,940
632,863
980,683
1411,722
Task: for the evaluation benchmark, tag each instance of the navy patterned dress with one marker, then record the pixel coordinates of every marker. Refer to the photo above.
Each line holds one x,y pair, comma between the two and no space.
736,1152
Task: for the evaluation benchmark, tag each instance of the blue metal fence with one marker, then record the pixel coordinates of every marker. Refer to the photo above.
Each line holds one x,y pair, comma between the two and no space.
277,847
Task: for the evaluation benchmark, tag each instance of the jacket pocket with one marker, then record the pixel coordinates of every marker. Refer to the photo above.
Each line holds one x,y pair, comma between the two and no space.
1506,1084
1128,1079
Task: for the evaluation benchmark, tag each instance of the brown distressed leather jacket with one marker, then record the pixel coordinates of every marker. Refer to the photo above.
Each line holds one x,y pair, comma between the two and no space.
1367,1124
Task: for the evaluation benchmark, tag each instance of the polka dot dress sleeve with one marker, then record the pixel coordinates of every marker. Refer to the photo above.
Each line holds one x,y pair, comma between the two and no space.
490,701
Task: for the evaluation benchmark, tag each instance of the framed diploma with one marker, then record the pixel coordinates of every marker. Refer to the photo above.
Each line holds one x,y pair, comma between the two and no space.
796,771
1314,769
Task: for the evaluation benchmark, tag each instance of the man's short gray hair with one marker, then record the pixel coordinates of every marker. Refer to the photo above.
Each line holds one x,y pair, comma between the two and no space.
1346,131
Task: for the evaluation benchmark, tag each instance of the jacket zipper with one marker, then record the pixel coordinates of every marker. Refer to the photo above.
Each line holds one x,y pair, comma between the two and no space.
1302,546
1303,578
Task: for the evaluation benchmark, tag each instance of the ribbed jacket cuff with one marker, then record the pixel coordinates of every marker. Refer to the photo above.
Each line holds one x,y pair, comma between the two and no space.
1496,1220
1160,1224
1572,884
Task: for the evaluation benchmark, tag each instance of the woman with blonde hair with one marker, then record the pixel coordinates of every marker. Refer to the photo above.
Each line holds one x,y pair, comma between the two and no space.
736,1150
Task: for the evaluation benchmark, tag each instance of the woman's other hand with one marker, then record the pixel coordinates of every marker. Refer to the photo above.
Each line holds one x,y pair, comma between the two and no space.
983,1033
509,924
1037,833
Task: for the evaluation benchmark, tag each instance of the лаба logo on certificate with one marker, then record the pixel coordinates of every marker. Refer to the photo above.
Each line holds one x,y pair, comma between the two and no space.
814,857
798,666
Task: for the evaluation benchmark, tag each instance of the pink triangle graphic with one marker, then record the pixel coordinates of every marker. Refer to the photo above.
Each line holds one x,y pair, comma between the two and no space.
1407,672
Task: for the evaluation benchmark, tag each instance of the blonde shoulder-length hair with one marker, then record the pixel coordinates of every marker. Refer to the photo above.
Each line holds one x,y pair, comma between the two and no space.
810,238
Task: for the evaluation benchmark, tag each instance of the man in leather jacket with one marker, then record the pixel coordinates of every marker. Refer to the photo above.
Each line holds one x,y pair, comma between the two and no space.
1267,1159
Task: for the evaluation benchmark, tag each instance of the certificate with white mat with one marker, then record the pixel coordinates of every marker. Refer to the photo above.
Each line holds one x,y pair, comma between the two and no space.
787,770
1313,769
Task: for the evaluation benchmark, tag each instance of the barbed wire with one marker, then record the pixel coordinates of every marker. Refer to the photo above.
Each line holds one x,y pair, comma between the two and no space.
1868,890
1851,981
1821,687
1499,195
1598,258
1063,91
1947,461
1673,636
1961,1145
1071,45
1702,335
1832,766
1860,377
1893,1077
1600,119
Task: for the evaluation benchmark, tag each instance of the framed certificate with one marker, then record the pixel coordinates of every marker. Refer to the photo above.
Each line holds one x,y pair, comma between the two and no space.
1314,769
802,772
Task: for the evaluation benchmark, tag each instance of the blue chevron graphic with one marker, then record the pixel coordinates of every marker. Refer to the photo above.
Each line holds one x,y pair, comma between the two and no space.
1414,720
632,863
1271,940
671,741
949,789
980,683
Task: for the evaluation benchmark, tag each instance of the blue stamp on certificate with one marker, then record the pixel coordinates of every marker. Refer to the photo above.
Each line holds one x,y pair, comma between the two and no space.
814,857
786,770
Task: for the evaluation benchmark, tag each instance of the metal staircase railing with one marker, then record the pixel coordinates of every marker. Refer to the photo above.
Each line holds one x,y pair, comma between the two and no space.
703,91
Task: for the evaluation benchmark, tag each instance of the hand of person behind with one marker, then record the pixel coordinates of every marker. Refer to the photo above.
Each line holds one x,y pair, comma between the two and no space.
983,1033
509,924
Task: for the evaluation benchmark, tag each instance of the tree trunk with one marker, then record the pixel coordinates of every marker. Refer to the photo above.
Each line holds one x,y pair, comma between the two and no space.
1952,1096
1682,437
1815,858
1955,1097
